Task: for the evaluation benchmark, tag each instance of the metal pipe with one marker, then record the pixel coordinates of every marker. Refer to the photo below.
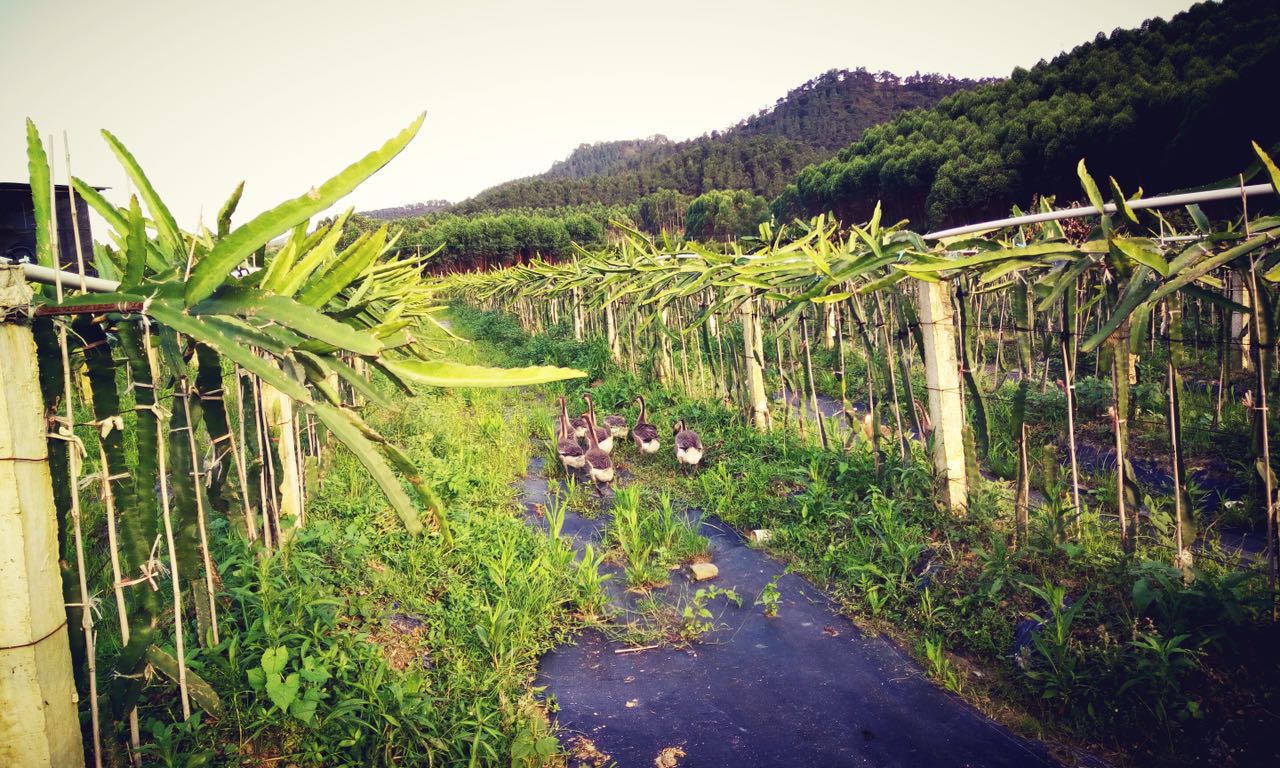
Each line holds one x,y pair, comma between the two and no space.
1164,201
38,274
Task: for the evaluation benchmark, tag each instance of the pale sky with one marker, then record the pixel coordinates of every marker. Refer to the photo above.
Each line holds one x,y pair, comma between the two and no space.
283,93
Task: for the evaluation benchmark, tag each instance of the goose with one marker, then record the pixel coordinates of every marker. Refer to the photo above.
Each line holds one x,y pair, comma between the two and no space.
617,425
645,434
603,436
599,465
688,446
571,454
579,426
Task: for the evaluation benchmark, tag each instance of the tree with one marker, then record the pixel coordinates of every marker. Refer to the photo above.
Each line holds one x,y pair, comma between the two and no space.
725,215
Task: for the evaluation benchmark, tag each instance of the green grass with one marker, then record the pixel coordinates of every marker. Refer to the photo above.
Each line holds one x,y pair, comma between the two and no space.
1131,657
358,644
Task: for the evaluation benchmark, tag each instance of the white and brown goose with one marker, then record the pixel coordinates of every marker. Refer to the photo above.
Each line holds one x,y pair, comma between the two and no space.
616,424
571,454
688,446
579,426
645,434
603,436
599,465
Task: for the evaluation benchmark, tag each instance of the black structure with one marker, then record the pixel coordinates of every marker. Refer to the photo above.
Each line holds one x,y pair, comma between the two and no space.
18,226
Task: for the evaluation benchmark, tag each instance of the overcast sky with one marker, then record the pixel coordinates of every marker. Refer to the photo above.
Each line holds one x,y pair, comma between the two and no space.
284,93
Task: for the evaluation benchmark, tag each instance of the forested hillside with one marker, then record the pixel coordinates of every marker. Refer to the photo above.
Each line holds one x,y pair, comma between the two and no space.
1173,104
761,154
833,109
405,211
604,157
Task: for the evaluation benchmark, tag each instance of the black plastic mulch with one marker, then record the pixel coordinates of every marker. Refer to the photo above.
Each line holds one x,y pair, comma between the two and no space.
806,688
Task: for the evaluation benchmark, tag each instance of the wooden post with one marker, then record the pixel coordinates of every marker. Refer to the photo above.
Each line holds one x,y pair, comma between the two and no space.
937,325
39,725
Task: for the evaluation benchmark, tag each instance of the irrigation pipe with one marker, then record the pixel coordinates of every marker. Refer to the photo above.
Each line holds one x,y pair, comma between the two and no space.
1163,201
38,274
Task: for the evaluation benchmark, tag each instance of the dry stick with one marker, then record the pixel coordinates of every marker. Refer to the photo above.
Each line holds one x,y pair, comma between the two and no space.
1075,329
1175,460
873,413
1069,384
117,578
843,374
782,381
1260,371
1222,362
893,382
73,472
1115,428
267,484
195,471
162,458
813,387
200,517
797,388
108,499
1000,338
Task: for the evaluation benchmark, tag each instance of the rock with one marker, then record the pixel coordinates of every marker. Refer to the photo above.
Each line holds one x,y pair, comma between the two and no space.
703,571
404,623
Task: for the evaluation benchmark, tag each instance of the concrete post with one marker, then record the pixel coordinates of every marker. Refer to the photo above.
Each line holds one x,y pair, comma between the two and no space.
611,332
281,413
1238,350
579,324
39,725
942,379
753,354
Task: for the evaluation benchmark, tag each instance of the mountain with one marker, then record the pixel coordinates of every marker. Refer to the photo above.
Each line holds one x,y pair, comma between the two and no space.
814,113
604,157
406,211
762,153
1169,105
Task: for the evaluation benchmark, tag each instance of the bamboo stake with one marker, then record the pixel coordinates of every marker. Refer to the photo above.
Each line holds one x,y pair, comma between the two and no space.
1262,369
813,388
73,470
198,480
893,383
797,387
134,728
161,457
1069,386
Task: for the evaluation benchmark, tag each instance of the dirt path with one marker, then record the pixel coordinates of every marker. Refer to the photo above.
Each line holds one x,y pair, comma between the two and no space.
804,689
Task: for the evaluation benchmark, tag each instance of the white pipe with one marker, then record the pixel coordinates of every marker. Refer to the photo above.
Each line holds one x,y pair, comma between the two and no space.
1186,198
38,274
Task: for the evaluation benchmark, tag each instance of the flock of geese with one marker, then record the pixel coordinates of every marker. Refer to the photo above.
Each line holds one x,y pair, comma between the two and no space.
600,441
